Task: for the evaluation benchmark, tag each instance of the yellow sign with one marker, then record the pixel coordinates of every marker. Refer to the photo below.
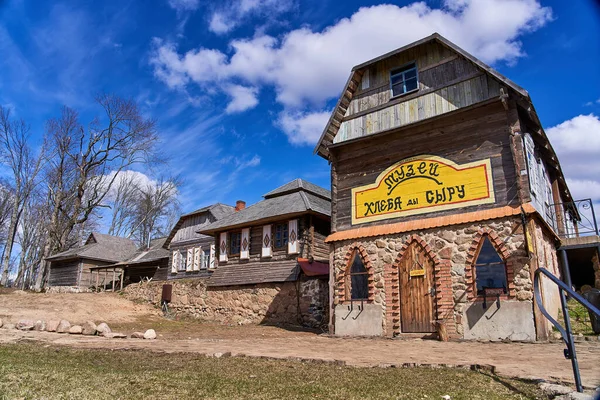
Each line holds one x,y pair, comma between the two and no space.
417,272
423,184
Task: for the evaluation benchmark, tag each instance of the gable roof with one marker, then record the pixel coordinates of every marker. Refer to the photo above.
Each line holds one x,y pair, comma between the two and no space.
100,246
218,210
524,102
294,198
154,252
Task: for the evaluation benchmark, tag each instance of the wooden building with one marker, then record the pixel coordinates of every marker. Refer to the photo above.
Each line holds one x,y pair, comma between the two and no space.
277,243
73,268
192,254
446,197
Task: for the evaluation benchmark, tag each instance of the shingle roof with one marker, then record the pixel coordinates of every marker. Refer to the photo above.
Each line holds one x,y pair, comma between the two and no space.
253,273
218,210
100,246
299,184
155,252
296,197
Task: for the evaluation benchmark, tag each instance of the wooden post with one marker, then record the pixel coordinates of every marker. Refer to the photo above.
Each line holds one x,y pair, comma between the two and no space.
105,280
122,275
112,289
97,279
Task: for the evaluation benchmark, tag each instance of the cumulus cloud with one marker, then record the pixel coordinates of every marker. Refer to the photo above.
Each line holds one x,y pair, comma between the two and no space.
219,24
577,143
307,68
303,128
243,98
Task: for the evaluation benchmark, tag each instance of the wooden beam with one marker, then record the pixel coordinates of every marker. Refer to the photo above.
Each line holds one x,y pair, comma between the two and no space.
97,279
122,276
114,279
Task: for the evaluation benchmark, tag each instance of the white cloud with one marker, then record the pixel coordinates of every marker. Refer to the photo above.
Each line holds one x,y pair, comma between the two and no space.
308,68
233,12
577,143
219,25
243,98
184,5
303,128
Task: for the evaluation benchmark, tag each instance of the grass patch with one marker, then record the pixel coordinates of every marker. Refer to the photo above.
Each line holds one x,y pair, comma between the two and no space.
32,371
580,318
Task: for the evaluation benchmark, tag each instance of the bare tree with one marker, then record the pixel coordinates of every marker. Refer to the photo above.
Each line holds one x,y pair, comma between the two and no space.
17,155
85,164
123,204
31,237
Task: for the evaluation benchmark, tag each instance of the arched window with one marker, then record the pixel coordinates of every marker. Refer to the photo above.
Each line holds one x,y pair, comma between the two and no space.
490,268
357,279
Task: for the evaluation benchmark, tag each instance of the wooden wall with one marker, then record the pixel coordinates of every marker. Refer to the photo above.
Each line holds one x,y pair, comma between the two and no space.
187,230
64,273
471,135
155,270
446,82
203,242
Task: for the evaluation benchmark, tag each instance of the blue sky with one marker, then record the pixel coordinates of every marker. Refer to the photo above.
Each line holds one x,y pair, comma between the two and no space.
241,89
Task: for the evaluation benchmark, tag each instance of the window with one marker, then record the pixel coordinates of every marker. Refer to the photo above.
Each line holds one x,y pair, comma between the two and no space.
205,259
182,260
490,269
280,238
404,80
357,279
235,239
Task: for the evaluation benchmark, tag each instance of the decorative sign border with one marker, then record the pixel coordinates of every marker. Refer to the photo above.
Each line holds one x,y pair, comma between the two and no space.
488,198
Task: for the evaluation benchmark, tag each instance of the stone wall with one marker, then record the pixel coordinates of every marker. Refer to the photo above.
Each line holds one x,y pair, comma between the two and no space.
303,302
68,289
452,250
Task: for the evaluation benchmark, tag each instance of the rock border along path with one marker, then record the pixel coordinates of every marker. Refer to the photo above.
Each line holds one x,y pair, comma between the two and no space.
542,361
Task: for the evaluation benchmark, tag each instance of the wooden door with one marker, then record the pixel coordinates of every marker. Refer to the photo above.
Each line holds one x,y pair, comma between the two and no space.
417,291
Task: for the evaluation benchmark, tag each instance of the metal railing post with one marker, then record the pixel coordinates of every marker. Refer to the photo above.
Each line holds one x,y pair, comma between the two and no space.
570,352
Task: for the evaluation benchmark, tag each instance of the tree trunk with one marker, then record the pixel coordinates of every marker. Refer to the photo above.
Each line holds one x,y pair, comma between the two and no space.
10,240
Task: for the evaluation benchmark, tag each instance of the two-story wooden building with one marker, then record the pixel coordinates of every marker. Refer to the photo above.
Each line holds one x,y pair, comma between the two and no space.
444,187
276,250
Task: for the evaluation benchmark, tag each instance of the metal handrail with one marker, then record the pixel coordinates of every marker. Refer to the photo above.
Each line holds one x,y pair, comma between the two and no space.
566,332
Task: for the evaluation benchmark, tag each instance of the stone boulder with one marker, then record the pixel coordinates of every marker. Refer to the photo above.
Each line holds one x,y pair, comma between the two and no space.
25,325
137,335
102,329
115,335
52,325
76,330
150,334
39,325
89,328
63,326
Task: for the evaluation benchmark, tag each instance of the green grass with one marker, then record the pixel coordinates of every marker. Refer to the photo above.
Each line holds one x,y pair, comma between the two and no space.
580,318
34,371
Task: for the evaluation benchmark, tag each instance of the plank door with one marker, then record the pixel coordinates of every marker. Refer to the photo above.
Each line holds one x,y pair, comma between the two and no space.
417,299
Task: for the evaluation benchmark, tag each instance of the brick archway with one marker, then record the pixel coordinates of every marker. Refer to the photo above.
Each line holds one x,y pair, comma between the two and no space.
442,281
341,275
473,252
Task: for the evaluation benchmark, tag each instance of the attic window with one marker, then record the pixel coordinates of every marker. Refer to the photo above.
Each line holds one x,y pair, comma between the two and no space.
404,80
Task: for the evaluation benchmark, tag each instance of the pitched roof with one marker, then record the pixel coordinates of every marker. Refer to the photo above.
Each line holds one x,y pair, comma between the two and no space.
101,247
253,273
218,210
353,82
294,198
154,252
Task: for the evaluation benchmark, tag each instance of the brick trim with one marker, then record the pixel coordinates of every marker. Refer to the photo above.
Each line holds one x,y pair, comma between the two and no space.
342,284
472,254
443,284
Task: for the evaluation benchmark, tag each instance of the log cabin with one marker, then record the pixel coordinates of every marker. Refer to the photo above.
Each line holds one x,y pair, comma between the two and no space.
446,197
277,246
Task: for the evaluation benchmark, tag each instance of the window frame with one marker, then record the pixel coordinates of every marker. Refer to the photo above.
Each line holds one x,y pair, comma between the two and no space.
348,274
286,238
402,70
204,259
230,243
475,264
182,264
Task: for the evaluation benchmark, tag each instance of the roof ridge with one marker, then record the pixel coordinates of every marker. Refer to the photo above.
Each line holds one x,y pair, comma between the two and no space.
305,199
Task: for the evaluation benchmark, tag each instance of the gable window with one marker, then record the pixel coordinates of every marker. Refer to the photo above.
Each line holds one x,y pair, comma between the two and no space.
404,80
235,239
490,269
182,266
280,236
357,279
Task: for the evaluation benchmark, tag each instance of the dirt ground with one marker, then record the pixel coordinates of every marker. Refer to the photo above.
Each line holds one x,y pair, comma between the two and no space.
523,360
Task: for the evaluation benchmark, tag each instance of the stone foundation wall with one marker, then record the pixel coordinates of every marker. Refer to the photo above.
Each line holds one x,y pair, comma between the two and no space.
68,289
303,302
452,249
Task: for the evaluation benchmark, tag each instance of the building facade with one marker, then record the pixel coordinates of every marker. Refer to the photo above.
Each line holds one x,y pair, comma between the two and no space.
445,194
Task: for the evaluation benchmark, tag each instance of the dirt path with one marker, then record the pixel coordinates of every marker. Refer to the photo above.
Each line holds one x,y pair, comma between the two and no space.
536,361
